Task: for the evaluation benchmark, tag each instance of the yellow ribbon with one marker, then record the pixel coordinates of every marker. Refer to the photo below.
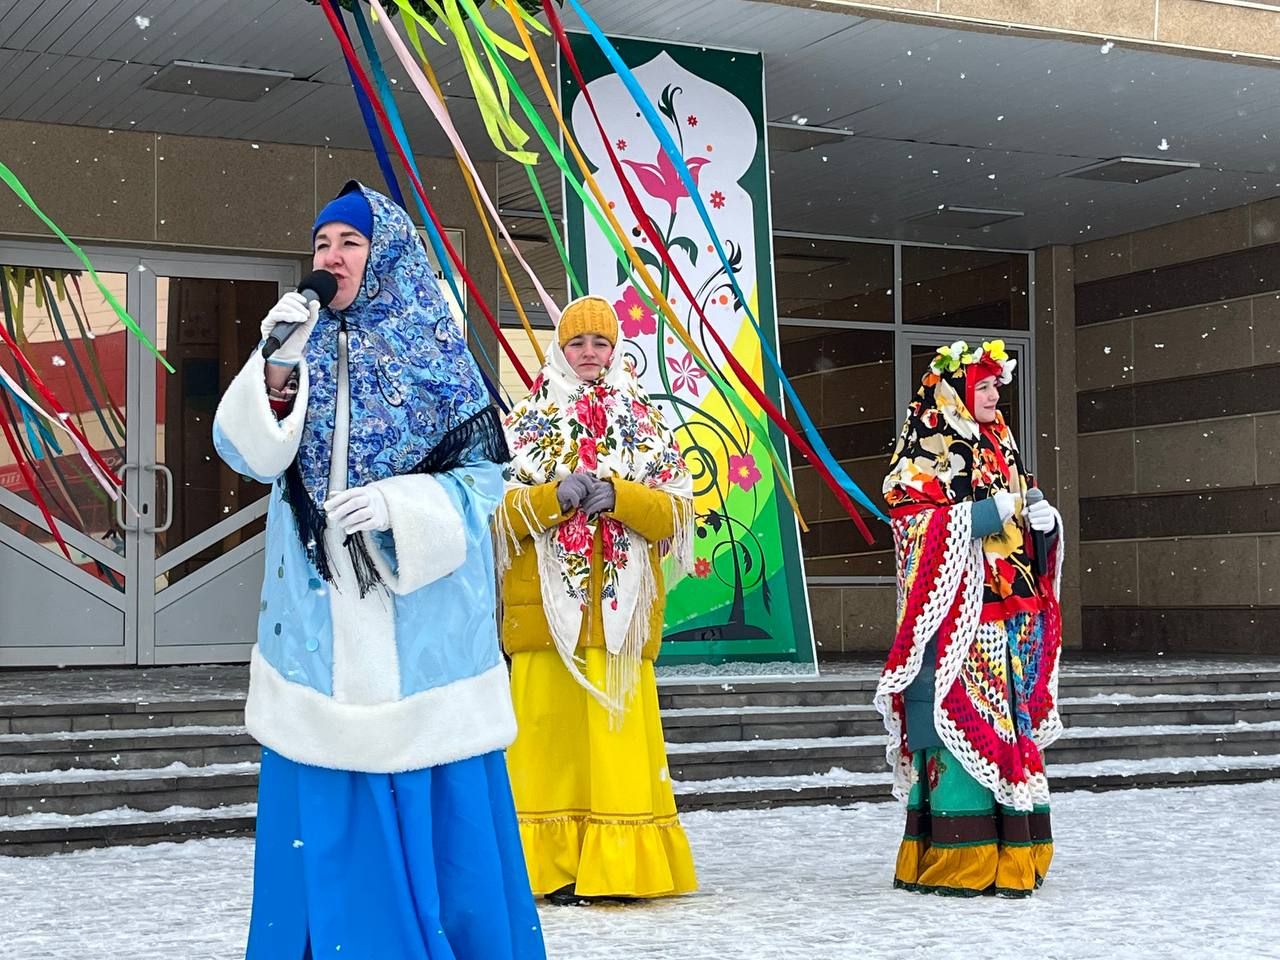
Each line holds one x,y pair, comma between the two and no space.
488,231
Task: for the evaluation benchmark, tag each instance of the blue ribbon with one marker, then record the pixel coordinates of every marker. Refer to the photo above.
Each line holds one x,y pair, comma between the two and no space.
673,151
371,125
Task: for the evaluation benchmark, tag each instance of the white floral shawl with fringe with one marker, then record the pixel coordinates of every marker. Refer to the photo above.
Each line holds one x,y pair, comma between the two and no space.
609,428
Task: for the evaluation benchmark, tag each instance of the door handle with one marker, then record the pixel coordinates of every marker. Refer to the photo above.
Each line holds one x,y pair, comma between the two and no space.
168,499
121,502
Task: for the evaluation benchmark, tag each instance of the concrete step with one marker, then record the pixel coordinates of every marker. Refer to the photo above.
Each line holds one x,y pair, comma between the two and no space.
675,695
87,791
69,717
1125,709
45,833
866,754
195,746
708,724
842,787
838,690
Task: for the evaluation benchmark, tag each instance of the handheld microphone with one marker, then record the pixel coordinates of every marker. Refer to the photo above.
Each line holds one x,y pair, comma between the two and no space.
319,286
1039,542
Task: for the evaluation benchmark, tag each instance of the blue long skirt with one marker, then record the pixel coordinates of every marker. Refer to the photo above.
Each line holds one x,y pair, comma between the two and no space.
425,865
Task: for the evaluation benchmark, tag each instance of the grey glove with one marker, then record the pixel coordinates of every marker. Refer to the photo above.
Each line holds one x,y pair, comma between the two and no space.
601,499
572,490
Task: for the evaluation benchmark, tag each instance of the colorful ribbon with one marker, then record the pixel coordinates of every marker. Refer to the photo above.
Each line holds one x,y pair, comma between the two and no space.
16,186
349,52
669,146
433,235
823,465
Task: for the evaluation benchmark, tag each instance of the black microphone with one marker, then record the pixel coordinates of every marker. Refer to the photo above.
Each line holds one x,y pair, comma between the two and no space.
319,286
1039,542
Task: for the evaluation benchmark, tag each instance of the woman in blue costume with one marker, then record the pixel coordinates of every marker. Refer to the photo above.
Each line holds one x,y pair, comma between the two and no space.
386,828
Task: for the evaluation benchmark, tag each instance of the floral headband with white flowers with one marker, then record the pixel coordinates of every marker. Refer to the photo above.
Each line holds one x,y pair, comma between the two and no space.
950,359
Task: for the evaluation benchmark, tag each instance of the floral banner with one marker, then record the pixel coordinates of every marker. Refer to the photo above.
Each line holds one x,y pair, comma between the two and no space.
746,599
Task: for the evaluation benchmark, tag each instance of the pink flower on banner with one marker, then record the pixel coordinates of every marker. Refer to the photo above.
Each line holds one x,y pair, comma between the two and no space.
702,568
634,314
692,121
687,374
717,199
621,144
587,454
661,180
743,471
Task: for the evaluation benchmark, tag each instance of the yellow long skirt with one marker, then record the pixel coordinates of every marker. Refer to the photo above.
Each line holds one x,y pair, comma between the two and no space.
596,806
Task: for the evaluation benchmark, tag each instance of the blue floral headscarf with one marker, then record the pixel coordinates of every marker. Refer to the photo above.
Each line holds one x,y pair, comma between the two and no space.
418,402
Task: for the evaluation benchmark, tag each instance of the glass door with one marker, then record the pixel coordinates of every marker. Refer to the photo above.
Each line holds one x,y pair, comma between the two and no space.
204,555
1015,399
171,573
77,607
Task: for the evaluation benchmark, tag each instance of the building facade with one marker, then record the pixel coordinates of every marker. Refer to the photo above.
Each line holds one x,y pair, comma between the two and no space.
1093,183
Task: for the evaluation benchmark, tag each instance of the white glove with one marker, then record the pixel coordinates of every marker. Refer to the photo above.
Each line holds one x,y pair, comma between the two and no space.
1005,504
1040,516
293,308
358,510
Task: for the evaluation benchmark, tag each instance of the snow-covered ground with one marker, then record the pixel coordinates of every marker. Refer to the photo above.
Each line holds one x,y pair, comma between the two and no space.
1146,873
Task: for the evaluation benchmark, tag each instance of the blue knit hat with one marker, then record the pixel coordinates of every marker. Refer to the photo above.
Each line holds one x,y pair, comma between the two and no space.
349,207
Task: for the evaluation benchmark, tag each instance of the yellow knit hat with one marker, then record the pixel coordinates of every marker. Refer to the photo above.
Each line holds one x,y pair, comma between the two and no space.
588,315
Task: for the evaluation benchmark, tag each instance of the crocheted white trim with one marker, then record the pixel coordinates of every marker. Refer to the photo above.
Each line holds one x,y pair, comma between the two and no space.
962,556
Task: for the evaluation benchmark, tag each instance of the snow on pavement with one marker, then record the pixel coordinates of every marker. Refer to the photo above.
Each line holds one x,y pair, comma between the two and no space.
1144,873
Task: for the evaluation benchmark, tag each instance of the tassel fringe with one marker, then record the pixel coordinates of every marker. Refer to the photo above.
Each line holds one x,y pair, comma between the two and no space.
479,438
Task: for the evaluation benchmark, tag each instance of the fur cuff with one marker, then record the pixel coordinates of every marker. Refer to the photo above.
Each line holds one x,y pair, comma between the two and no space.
462,719
246,419
430,539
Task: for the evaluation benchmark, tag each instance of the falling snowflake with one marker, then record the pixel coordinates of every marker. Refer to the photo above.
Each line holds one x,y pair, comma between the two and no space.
1107,48
142,22
1163,144
621,144
57,361
717,199
691,120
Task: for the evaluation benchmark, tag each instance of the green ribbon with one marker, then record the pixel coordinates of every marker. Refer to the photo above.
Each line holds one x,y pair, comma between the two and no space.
16,186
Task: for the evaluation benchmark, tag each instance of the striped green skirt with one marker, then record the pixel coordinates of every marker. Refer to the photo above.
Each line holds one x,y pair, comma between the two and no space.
960,842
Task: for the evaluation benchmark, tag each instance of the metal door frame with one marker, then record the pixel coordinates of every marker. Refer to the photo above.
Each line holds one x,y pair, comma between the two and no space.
139,603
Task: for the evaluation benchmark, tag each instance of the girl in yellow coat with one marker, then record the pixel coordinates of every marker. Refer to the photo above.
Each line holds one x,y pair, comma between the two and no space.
598,495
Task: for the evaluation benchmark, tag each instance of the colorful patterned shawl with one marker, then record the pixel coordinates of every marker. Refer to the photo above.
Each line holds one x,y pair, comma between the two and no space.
418,403
998,631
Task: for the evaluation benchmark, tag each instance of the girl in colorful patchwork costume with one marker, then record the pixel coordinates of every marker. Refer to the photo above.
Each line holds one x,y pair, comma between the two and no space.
598,494
386,826
968,693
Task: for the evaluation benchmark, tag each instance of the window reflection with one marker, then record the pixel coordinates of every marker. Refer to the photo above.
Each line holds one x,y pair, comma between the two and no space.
845,380
75,342
965,288
822,279
205,328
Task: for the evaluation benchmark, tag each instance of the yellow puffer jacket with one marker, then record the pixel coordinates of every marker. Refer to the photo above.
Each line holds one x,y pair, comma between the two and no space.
646,511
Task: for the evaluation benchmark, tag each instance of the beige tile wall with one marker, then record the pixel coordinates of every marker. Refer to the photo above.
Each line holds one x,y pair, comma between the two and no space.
853,620
1253,225
226,195
1193,571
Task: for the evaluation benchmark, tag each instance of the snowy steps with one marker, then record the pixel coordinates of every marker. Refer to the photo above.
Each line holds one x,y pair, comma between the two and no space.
91,773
